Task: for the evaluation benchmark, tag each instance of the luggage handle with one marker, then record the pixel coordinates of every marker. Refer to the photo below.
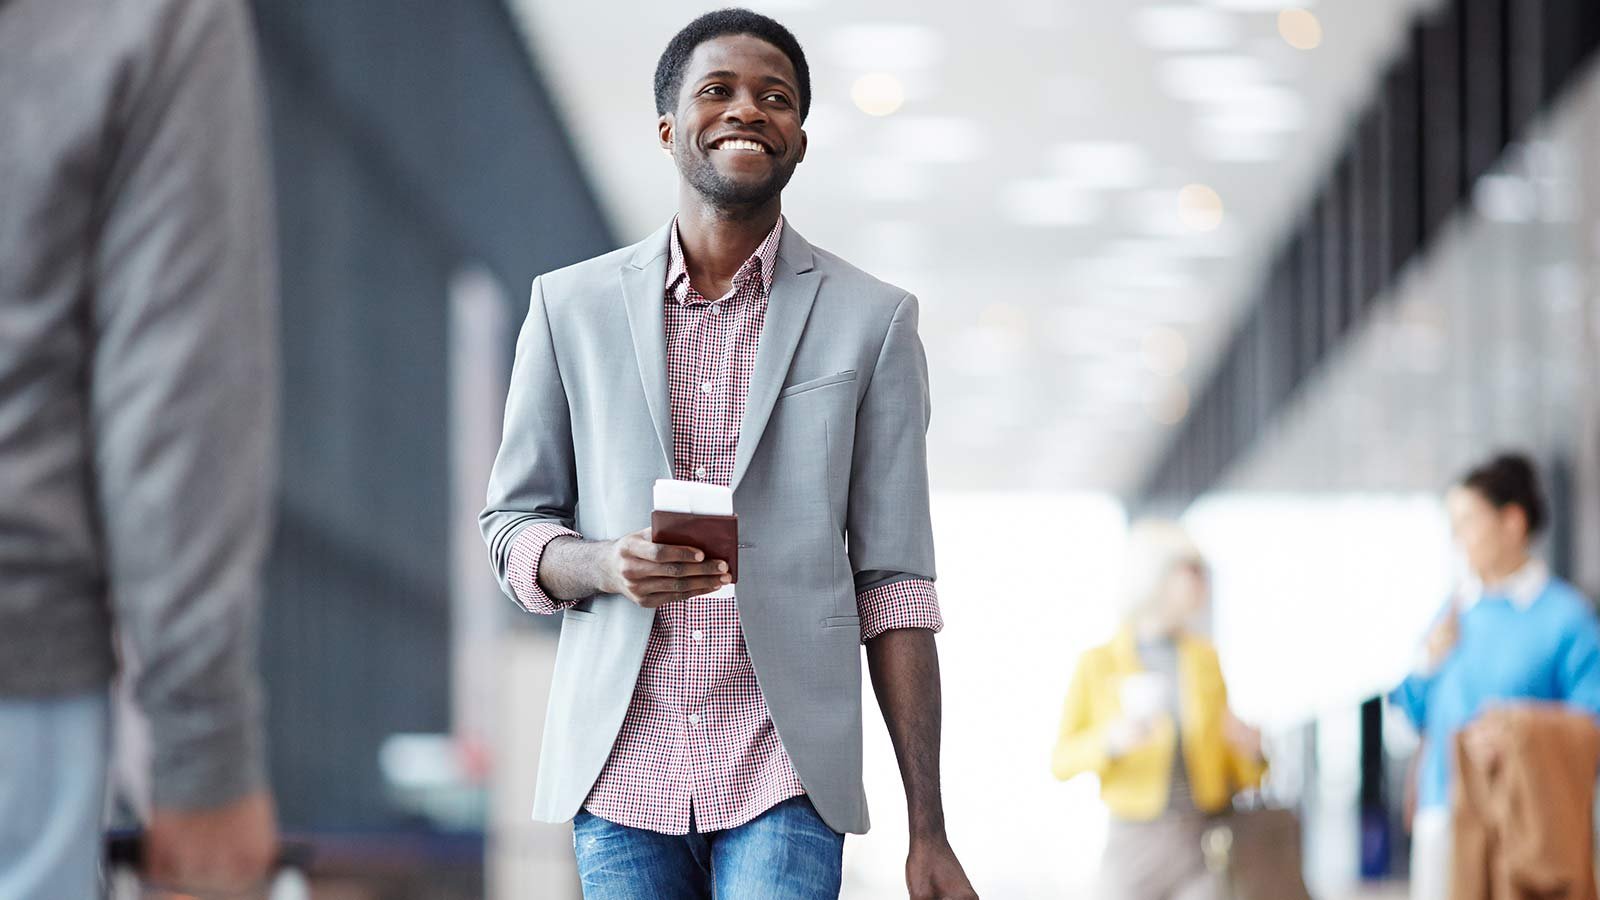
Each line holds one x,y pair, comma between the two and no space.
126,848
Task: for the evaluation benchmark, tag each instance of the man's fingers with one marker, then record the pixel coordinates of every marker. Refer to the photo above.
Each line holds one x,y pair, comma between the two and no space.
639,545
670,553
694,588
688,586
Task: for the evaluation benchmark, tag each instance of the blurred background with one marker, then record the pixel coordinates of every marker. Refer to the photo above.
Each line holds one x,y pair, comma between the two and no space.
1283,272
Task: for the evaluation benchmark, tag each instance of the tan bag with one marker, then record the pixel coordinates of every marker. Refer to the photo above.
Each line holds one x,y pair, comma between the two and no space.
1255,854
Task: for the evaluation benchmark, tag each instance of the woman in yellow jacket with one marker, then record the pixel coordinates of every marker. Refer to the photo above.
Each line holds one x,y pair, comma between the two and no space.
1148,713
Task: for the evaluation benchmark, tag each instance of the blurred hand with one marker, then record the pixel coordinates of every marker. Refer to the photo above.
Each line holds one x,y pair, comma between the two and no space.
1128,734
1244,739
226,849
934,873
1442,640
652,574
1485,741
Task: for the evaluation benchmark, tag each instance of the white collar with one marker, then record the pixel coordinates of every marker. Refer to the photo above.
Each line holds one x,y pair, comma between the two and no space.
1522,587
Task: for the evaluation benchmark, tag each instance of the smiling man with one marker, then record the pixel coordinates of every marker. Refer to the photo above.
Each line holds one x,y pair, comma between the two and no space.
705,737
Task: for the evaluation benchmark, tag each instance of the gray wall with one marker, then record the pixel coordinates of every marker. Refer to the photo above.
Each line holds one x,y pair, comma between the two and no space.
410,139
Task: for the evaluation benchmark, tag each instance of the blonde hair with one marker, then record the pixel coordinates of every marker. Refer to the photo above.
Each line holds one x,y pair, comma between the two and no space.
1155,547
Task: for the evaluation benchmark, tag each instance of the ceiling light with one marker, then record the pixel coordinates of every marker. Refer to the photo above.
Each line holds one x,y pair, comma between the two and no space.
936,139
1117,274
1190,246
1166,352
1255,108
1211,77
1300,29
1185,28
1103,165
1255,5
887,46
1199,208
1050,202
889,180
878,93
1238,146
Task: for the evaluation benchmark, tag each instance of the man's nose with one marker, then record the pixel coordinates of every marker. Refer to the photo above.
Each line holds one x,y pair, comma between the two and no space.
746,111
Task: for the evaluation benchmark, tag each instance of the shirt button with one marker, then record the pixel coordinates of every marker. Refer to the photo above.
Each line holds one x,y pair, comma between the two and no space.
694,718
700,472
707,387
699,635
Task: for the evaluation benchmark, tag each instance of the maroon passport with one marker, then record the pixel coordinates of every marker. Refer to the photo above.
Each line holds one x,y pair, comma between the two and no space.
716,536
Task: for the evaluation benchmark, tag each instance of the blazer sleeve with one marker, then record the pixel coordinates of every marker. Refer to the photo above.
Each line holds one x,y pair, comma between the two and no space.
1081,744
888,523
184,392
534,480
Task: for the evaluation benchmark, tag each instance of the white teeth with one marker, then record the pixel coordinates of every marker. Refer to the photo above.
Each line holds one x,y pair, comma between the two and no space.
735,144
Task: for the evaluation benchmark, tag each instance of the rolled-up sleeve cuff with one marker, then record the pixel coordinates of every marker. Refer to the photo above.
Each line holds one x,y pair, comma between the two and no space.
211,769
522,567
907,603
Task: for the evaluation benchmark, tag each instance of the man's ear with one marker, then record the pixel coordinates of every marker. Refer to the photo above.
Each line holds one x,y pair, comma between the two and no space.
664,130
803,139
1514,517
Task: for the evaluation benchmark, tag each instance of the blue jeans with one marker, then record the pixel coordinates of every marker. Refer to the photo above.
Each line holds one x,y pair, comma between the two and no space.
53,757
786,853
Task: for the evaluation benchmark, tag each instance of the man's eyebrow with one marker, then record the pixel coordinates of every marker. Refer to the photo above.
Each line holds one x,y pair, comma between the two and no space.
728,74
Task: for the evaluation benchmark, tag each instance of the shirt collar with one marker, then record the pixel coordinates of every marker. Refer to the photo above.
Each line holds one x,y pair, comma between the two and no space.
1522,588
763,260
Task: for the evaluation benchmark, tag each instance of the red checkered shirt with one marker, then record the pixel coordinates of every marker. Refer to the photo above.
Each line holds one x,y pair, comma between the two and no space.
698,738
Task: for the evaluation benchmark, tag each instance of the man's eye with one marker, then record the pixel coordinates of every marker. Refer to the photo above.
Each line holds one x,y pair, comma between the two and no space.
778,97
715,88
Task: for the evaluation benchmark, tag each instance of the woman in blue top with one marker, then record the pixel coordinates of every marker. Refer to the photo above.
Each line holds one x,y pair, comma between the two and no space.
1512,633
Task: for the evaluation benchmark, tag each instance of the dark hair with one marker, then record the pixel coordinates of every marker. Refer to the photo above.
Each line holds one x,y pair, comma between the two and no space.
1510,479
721,23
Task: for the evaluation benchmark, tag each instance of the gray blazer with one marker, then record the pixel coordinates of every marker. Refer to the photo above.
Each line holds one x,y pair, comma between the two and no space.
138,371
830,484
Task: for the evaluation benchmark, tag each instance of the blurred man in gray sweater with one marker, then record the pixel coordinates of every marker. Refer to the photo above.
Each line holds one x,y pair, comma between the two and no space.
137,431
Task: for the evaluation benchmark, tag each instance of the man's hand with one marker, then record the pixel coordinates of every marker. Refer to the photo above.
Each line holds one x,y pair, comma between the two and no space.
1442,640
227,849
1126,735
653,574
1488,738
934,873
1245,739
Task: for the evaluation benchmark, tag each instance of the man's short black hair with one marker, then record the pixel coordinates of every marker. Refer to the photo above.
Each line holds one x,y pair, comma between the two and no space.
1510,479
721,23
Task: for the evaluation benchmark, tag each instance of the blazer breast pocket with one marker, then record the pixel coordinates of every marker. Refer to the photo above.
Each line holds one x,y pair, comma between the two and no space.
815,383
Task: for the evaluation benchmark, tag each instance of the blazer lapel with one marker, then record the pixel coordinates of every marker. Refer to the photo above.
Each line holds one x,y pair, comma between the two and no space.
644,279
794,290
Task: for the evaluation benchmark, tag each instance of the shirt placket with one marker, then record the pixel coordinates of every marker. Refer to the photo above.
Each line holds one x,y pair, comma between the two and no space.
709,397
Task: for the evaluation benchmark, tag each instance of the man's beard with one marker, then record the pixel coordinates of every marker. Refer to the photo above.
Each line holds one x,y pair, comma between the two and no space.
725,193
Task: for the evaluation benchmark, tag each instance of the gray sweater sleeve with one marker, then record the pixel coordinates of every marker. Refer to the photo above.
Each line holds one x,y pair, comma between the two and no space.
183,389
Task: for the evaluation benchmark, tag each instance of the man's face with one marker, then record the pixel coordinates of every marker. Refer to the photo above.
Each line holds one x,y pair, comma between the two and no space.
1489,537
736,134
